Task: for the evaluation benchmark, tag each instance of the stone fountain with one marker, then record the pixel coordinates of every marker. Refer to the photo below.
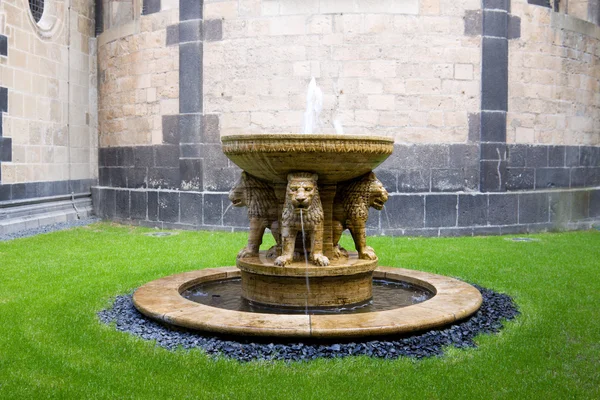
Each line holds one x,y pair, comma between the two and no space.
307,190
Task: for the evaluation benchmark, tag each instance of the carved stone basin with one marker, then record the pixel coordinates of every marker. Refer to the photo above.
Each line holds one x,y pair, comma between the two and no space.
335,158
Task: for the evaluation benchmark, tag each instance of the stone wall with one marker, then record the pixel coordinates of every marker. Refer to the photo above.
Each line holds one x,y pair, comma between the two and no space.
48,133
404,69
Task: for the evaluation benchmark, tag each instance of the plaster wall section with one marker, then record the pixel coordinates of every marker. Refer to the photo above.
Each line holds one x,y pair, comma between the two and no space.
48,74
554,79
404,69
138,78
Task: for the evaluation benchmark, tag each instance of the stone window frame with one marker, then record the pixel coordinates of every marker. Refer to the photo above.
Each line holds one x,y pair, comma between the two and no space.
52,20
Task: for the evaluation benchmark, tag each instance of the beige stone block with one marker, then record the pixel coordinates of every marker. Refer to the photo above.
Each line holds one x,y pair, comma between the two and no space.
394,118
307,69
430,7
378,23
17,59
383,69
169,107
423,86
436,103
151,95
463,71
249,8
381,102
320,24
524,135
293,7
370,86
337,6
290,25
349,24
359,69
435,118
270,8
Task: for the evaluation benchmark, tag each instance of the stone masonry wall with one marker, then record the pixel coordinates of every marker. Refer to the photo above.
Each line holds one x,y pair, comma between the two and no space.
138,79
403,69
554,79
48,131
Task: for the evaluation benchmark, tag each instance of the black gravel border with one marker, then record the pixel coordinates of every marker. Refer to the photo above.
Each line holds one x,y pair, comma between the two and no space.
489,318
61,226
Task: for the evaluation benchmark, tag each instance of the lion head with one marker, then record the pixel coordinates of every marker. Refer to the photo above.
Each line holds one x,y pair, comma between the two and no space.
255,194
377,193
237,195
301,190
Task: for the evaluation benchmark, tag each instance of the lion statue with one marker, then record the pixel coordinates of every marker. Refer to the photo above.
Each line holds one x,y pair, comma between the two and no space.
262,205
351,211
302,210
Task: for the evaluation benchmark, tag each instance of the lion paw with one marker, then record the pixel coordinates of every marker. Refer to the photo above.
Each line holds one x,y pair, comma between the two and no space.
339,252
367,254
273,252
282,261
247,253
320,260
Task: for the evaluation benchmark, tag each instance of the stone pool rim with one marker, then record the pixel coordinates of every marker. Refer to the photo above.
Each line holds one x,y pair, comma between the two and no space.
454,300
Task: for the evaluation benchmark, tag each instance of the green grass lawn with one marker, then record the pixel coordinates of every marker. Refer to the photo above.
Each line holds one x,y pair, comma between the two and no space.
53,346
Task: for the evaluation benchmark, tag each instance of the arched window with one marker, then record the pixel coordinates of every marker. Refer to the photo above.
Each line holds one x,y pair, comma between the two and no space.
37,9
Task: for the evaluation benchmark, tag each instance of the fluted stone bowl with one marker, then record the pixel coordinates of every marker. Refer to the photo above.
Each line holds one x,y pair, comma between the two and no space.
335,158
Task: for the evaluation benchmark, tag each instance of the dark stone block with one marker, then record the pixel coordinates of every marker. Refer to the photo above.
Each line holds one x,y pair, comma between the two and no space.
190,78
104,176
493,126
494,151
210,128
190,128
165,178
170,129
556,156
143,156
193,150
107,204
495,23
122,204
152,205
421,232
19,191
5,192
578,177
503,209
533,208
118,177
190,170
125,156
137,178
138,205
218,179
0,124
3,99
542,3
497,5
537,156
168,206
190,31
456,232
514,27
5,149
440,210
513,229
463,155
388,179
580,203
373,219
572,156
190,9
166,155
492,176
473,22
60,187
590,156
560,208
472,210
447,180
592,177
594,208
411,180
418,157
110,157
517,155
191,208
471,179
3,45
150,7
520,178
172,35
45,189
551,178
237,216
403,212
212,209
213,30
474,127
486,231
494,75
214,157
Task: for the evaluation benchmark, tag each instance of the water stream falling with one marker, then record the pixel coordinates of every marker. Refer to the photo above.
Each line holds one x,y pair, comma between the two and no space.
305,260
314,106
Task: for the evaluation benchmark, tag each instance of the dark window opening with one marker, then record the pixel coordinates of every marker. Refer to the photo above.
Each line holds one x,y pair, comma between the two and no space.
37,9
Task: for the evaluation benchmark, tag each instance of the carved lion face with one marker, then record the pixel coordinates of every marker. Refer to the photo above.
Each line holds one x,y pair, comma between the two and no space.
301,190
237,195
378,195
